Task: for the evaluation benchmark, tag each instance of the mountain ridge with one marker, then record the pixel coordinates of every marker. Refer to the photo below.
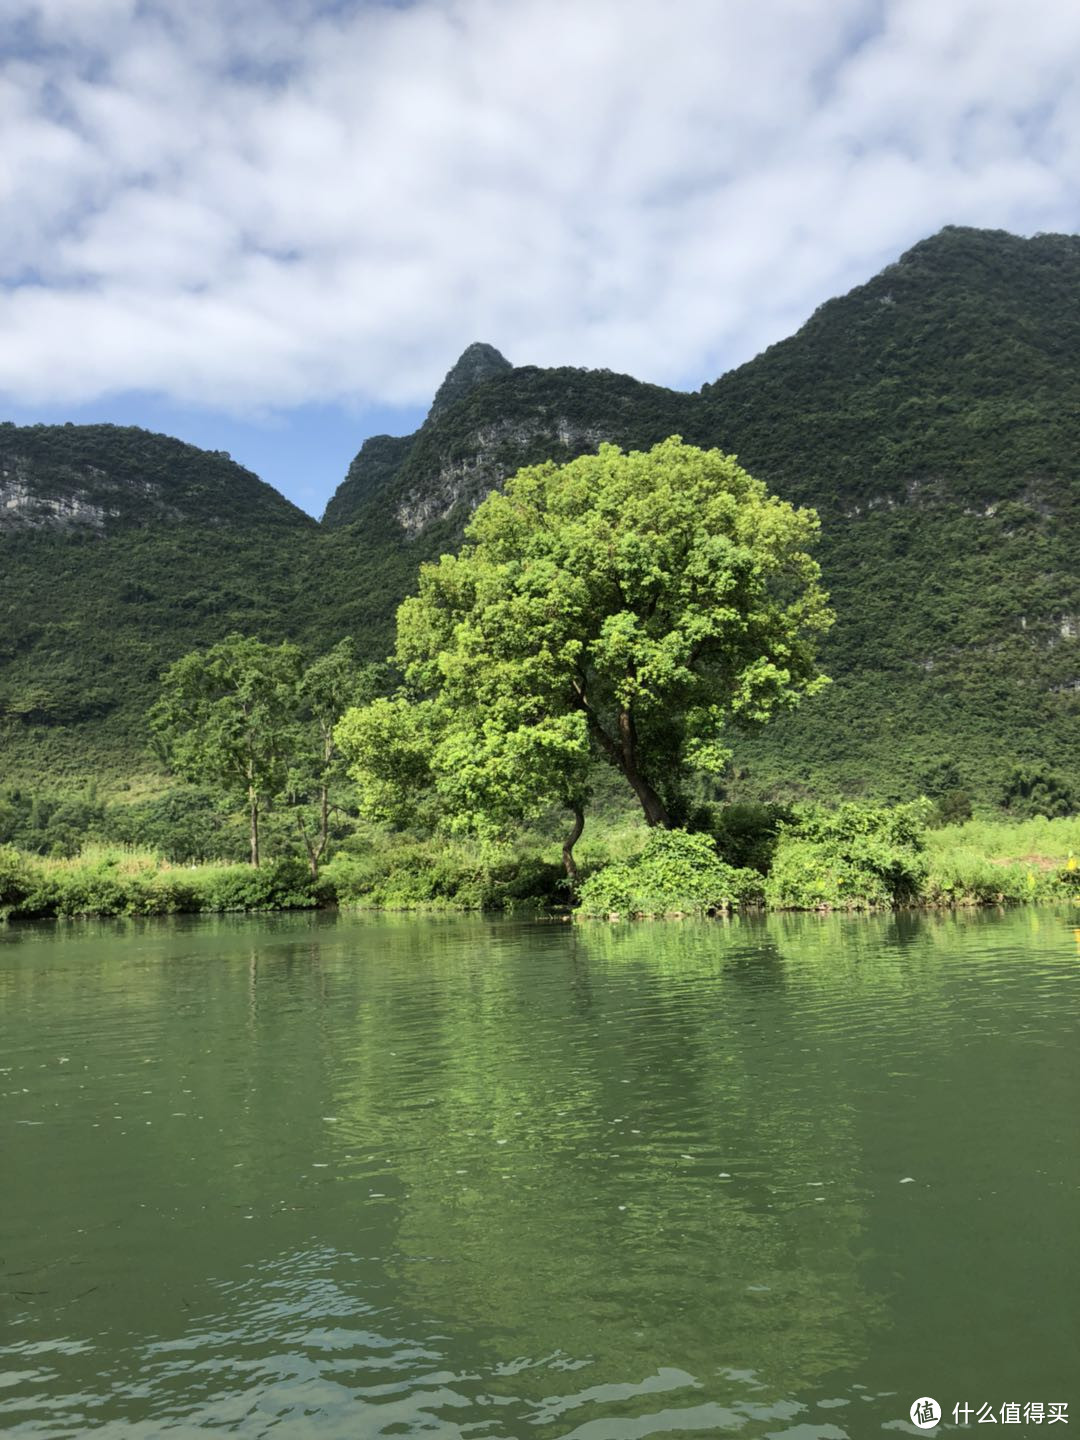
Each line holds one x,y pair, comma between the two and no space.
932,415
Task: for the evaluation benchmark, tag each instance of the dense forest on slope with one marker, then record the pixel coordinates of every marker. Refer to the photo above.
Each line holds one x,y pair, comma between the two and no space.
119,550
932,416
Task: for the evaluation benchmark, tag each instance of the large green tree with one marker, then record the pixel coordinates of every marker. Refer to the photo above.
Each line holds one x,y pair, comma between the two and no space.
227,718
632,607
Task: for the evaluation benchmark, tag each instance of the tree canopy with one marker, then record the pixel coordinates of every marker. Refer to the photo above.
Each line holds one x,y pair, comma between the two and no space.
225,717
627,607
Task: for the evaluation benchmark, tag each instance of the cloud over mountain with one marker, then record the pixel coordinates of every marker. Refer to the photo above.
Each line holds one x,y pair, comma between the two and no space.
248,204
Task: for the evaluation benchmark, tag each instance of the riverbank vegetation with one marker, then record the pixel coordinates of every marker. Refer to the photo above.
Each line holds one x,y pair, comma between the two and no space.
846,859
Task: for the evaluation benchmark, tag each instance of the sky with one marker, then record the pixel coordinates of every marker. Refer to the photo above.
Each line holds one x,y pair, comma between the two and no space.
271,226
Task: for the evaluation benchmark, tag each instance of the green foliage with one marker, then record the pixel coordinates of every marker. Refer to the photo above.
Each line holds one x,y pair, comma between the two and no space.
45,824
17,880
316,782
942,777
283,885
999,862
1031,791
184,825
112,881
952,808
929,416
677,873
227,718
624,608
454,875
849,859
747,834
852,858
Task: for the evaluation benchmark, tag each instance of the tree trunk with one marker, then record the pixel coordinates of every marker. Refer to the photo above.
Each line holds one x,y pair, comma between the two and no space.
655,810
324,831
253,802
313,854
623,755
569,863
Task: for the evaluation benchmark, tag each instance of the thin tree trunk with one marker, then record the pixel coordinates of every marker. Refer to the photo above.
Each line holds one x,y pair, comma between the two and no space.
623,755
313,854
324,831
253,802
569,863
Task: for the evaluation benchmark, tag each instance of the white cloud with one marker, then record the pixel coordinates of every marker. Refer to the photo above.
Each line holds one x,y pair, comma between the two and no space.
256,203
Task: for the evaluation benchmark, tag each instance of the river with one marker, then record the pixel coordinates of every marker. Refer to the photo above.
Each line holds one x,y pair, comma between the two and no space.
321,1175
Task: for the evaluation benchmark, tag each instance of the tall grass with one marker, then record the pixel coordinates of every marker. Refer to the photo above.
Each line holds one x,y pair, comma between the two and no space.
118,880
995,861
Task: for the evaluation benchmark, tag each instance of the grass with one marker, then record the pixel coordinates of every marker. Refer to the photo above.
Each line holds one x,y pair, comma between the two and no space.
117,880
993,861
979,863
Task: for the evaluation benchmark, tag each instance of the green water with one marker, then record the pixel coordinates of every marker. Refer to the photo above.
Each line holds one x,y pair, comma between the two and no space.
314,1176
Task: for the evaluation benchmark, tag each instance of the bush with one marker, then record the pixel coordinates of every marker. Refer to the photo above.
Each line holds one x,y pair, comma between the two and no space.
185,824
952,808
444,875
17,880
677,873
852,858
1031,791
746,835
118,883
967,877
284,885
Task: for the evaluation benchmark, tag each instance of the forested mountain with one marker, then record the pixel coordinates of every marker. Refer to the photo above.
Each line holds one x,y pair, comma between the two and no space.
932,416
119,551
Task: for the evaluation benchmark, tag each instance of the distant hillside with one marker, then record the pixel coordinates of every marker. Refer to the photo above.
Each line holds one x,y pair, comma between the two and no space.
120,550
502,420
111,477
932,416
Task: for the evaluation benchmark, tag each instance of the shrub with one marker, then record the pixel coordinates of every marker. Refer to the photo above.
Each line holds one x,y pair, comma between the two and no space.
964,876
746,834
1031,791
444,875
284,885
853,858
17,880
952,808
185,824
677,873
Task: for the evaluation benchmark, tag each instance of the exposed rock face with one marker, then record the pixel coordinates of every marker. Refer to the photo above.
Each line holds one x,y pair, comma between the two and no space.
21,505
104,477
71,499
492,453
488,420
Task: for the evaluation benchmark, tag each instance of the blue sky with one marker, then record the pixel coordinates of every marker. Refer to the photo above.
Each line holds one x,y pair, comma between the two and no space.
270,226
303,450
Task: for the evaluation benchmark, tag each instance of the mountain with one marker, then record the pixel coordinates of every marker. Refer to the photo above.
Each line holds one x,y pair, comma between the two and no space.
107,478
932,416
119,551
